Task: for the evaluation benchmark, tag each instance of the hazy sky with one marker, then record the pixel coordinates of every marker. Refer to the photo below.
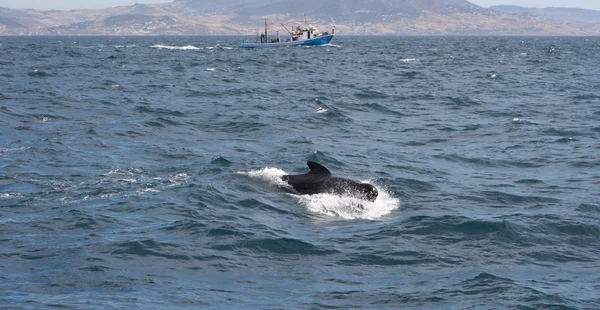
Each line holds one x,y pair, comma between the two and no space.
87,4
71,4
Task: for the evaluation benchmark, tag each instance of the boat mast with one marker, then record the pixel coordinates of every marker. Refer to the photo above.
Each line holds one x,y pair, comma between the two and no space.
265,30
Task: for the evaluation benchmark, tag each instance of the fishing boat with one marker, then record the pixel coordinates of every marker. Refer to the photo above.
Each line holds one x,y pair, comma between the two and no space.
301,36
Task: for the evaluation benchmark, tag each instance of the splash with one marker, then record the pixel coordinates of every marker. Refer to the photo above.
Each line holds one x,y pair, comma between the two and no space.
348,207
219,47
268,175
183,48
337,206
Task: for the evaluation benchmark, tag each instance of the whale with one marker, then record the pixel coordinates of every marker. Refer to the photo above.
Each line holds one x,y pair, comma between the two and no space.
319,180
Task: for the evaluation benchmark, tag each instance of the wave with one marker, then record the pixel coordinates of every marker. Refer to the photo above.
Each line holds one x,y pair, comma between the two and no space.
13,150
561,133
520,121
486,162
237,127
588,208
181,48
393,259
126,46
188,226
159,111
460,101
332,113
458,228
331,205
277,246
409,74
370,94
161,122
148,248
507,199
38,73
219,47
381,108
119,184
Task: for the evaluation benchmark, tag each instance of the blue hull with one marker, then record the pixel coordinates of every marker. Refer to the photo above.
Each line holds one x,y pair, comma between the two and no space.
310,42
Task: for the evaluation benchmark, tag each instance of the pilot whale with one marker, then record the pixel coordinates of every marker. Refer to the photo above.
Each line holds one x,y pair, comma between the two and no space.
320,180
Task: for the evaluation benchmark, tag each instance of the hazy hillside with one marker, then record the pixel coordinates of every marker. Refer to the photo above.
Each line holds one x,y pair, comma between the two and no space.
239,17
558,14
222,6
368,9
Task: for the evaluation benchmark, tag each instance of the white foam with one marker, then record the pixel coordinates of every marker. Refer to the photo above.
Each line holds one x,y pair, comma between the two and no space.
127,171
148,190
178,179
409,60
348,207
18,149
183,48
269,175
127,180
10,195
339,206
321,110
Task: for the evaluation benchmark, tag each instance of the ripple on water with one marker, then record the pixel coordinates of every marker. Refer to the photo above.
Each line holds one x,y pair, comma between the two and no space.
148,249
38,73
370,94
490,163
159,111
285,246
127,183
162,122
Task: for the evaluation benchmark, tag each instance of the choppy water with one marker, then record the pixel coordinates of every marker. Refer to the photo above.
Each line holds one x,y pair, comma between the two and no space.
142,173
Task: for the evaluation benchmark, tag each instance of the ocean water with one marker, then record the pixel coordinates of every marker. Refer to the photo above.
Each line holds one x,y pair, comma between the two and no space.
143,172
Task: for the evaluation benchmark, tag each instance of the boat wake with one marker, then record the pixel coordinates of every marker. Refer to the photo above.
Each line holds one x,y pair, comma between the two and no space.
332,205
182,48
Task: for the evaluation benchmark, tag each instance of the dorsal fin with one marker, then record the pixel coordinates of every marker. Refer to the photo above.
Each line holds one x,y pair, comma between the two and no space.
316,168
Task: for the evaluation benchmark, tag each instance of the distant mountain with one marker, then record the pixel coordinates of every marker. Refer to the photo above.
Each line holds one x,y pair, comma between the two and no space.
9,23
222,6
366,10
240,17
557,14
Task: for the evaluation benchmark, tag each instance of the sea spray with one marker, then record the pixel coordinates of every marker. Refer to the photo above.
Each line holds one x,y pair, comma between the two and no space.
339,206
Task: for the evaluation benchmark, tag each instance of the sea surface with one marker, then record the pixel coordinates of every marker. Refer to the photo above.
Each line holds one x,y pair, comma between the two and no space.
144,173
